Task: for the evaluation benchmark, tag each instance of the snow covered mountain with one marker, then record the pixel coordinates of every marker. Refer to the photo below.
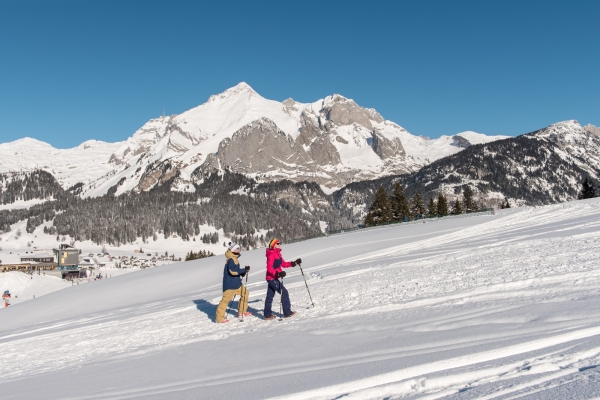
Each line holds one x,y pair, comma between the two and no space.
332,141
542,167
253,144
84,163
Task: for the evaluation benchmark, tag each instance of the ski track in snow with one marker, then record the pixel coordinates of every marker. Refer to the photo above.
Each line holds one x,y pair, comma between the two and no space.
491,273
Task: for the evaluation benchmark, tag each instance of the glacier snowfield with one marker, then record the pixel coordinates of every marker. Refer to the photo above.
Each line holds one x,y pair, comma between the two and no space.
485,307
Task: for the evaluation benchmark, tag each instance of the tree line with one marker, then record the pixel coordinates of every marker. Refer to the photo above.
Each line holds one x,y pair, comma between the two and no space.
200,254
397,207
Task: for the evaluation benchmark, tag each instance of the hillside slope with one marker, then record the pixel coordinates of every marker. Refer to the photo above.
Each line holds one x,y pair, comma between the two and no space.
461,307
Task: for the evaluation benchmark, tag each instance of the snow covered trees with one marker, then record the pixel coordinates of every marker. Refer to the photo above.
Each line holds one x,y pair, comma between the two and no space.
27,186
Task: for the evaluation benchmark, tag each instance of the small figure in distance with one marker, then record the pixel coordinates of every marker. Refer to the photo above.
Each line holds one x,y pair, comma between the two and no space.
6,297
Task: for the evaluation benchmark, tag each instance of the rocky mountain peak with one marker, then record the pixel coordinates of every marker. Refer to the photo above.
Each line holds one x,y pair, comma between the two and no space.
241,89
341,111
460,141
331,141
559,131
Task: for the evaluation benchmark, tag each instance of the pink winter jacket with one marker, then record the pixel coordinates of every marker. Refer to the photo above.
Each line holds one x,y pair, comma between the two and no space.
275,263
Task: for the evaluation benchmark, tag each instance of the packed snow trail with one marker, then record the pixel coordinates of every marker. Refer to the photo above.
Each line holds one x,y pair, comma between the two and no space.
497,306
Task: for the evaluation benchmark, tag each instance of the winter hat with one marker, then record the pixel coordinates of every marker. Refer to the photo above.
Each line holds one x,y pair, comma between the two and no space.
273,242
234,247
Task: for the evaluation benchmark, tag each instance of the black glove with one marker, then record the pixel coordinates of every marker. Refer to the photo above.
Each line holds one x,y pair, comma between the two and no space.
298,261
247,268
281,274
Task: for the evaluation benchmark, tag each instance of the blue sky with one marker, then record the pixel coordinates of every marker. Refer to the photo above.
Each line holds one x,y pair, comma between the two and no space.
77,70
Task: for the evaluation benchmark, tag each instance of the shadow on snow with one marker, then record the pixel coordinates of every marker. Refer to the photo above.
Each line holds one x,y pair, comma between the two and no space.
211,309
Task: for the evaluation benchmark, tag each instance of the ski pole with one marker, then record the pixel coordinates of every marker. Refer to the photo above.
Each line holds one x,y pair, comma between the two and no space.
281,299
244,290
311,300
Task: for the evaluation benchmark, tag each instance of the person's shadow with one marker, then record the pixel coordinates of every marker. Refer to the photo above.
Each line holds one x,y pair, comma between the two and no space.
211,309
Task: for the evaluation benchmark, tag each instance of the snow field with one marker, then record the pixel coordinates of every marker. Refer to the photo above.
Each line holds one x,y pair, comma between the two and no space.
502,306
25,286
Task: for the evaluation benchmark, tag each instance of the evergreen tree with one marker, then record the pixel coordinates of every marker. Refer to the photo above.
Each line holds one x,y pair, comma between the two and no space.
369,221
418,206
457,208
442,205
432,207
381,209
587,190
399,203
469,203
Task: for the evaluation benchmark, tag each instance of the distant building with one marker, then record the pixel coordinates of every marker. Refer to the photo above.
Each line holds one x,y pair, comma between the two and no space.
36,261
38,257
68,260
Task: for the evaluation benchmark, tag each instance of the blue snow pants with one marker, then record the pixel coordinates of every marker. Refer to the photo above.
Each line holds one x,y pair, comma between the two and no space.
276,286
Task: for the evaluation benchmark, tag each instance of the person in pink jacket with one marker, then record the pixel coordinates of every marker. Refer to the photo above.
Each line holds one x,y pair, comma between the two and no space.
275,265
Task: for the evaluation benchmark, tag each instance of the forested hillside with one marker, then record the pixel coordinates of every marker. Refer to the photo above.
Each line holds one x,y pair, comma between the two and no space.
28,186
251,213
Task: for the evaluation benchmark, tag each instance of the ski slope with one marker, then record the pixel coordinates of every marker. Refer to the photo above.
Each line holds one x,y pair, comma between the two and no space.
485,307
24,287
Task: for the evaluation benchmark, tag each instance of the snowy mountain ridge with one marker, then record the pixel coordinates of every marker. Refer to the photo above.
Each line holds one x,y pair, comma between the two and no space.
84,163
332,141
542,167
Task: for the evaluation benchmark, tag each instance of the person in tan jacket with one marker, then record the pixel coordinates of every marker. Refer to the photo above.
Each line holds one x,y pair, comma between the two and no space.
232,284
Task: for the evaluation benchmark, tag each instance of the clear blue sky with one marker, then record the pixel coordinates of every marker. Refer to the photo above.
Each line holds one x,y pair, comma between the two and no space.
73,70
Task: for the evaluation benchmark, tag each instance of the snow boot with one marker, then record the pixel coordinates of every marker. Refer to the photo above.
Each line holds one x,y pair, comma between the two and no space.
291,315
270,317
223,322
246,314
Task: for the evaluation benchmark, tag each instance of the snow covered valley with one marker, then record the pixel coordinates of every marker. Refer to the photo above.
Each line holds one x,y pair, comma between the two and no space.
496,306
